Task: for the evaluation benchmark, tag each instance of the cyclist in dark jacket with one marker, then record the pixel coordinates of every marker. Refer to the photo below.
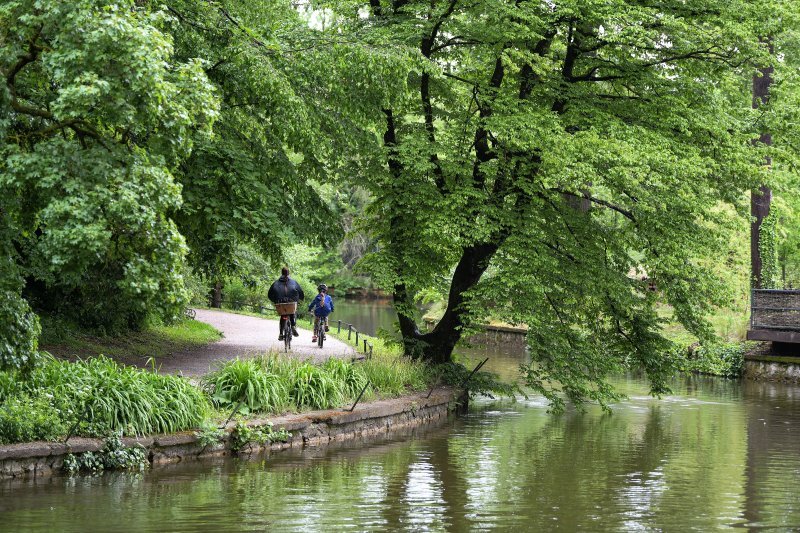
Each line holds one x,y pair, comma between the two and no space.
284,290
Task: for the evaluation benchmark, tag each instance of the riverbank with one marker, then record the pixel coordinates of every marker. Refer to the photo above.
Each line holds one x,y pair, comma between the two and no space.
311,429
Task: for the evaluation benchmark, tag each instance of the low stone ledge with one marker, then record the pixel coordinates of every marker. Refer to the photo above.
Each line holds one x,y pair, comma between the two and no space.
26,450
308,429
83,444
174,439
144,442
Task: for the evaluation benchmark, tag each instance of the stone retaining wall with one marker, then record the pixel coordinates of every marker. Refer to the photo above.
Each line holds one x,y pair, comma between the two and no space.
317,428
771,370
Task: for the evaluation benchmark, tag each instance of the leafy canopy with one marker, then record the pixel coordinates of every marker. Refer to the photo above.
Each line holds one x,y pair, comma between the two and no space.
94,116
544,157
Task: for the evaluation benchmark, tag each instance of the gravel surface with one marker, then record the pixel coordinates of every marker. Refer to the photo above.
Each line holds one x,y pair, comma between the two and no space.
247,335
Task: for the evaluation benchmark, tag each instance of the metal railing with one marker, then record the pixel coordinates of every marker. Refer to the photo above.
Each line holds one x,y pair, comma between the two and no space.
775,309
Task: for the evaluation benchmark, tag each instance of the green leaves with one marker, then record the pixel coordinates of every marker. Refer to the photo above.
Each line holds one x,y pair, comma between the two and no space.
568,166
19,332
99,115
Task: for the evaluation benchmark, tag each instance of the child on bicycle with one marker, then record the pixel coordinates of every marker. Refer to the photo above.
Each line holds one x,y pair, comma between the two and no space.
321,306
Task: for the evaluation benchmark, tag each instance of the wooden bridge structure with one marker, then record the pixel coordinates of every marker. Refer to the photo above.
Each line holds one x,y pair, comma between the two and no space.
774,315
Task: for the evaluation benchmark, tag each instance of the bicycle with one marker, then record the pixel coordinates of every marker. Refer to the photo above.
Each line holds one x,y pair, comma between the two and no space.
286,310
319,330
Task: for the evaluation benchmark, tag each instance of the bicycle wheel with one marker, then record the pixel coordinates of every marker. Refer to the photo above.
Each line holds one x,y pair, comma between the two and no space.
287,334
320,333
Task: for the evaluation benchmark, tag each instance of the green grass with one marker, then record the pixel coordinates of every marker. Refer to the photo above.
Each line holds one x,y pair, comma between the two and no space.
247,383
730,325
96,397
273,383
66,340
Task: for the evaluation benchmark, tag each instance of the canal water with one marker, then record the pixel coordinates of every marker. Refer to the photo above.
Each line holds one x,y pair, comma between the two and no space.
716,454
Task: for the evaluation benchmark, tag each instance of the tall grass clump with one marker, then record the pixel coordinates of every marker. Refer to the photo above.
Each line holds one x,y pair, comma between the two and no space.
394,376
249,383
107,397
313,387
351,378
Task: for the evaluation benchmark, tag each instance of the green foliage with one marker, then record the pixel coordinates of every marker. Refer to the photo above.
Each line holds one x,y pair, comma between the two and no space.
393,376
108,397
113,456
288,125
768,249
543,156
481,383
245,382
723,359
244,434
351,378
19,330
209,434
8,385
312,387
234,295
25,418
96,115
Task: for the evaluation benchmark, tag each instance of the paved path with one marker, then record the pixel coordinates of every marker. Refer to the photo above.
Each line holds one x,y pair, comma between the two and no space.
247,335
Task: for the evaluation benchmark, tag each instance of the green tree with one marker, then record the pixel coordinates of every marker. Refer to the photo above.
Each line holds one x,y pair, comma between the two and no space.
517,112
289,122
94,116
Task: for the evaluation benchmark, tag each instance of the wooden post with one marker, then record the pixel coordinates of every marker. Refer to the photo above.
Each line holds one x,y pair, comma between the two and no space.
349,330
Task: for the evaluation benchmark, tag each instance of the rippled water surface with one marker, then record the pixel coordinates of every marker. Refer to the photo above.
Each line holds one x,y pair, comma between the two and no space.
717,454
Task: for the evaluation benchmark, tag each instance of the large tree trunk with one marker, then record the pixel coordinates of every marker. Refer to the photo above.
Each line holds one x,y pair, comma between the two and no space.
216,295
761,198
437,346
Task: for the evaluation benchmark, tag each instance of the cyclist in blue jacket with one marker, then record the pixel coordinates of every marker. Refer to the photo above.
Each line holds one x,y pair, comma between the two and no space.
321,306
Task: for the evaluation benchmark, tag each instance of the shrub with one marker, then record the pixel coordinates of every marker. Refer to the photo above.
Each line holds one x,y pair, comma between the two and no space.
243,434
19,332
234,294
246,382
725,360
113,456
8,385
26,418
